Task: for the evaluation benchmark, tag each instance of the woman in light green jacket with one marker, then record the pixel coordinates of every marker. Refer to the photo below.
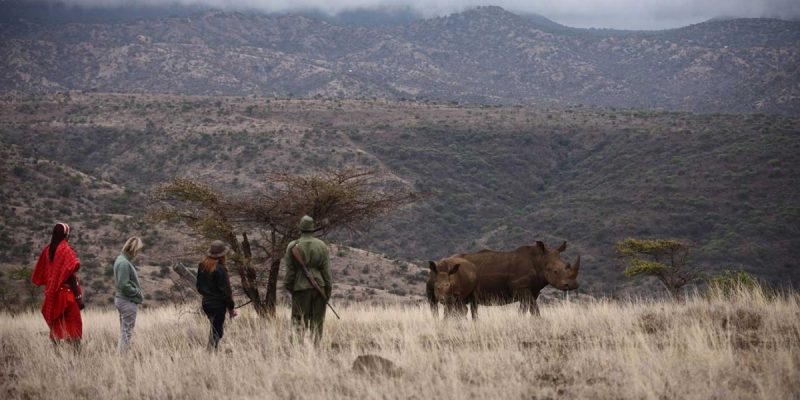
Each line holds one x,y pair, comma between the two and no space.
128,291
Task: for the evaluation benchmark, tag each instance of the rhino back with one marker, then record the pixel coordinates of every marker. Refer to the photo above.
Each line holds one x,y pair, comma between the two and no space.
500,273
492,263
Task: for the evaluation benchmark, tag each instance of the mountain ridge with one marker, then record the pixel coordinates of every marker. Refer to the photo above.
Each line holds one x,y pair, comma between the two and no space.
55,12
481,56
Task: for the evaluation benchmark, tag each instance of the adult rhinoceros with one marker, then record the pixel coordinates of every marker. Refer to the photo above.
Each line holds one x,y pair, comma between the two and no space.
505,277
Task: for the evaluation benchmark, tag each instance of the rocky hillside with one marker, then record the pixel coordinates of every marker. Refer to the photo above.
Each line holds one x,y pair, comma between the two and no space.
498,177
485,55
38,191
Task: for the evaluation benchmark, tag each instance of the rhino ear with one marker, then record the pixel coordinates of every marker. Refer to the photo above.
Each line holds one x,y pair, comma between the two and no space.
432,266
562,247
454,269
541,247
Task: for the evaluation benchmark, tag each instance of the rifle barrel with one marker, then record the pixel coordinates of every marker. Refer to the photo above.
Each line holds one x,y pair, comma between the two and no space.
334,311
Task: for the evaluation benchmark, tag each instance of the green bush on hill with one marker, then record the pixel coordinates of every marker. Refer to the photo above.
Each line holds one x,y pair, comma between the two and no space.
729,283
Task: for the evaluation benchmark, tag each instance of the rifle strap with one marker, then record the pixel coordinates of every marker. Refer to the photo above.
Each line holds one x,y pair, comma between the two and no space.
298,256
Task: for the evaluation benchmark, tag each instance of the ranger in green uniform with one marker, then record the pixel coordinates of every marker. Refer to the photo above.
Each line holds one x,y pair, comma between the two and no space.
308,305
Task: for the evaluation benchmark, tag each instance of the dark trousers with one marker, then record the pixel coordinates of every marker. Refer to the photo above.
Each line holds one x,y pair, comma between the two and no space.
216,315
308,312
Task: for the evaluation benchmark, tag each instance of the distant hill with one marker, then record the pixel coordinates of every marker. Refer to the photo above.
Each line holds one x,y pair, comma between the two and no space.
498,177
485,55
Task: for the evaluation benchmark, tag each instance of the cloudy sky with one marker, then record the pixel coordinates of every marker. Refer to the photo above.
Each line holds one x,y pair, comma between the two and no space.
623,14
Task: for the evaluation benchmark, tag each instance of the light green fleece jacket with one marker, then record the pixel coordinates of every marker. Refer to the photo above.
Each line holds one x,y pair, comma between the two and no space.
126,280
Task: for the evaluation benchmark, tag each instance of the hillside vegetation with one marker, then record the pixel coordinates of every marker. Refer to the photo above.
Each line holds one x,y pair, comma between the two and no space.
484,56
497,177
744,348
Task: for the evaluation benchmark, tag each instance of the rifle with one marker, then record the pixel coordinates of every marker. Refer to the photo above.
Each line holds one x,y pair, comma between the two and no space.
299,258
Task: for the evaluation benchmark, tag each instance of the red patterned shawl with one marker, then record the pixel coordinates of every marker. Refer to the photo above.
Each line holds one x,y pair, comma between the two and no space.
53,274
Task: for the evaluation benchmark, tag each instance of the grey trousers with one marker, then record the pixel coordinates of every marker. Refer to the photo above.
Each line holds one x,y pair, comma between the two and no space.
127,319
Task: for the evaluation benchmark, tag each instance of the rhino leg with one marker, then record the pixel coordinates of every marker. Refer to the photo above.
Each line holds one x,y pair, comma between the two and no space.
535,307
462,309
525,306
434,308
455,310
523,296
527,302
430,294
473,307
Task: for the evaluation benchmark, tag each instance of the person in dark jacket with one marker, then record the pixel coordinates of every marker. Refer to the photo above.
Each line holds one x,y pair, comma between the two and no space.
215,287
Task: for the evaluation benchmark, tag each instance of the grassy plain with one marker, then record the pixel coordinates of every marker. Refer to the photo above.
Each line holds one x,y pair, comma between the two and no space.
747,348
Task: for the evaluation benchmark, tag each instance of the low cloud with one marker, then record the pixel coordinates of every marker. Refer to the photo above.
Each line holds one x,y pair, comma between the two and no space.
622,14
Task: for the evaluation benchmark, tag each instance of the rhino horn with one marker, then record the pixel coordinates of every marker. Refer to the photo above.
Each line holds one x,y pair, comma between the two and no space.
577,265
562,247
432,265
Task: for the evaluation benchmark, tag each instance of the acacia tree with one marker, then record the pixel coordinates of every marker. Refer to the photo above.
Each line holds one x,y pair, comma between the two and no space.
666,259
208,213
342,200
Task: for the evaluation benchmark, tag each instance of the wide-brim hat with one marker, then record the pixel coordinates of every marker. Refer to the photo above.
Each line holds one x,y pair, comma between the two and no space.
306,224
217,249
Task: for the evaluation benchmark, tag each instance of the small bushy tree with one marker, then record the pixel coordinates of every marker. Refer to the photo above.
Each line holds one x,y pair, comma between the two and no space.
209,214
728,283
666,259
342,200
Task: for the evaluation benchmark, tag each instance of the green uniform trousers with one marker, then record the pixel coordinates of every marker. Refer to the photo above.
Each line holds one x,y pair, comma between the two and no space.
308,312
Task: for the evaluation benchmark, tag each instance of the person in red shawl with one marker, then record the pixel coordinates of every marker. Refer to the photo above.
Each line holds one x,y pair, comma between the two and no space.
57,270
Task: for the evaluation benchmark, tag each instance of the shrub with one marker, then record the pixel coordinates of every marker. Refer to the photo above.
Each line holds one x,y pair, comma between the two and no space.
666,259
99,286
18,171
398,292
730,283
652,323
744,319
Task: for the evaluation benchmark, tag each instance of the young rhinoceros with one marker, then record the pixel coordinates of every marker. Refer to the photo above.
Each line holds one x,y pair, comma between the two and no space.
452,282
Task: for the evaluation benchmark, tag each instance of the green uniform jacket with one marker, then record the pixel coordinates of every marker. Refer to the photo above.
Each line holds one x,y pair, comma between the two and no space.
126,280
315,254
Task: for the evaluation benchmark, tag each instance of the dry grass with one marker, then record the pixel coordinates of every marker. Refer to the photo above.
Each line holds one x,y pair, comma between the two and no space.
747,347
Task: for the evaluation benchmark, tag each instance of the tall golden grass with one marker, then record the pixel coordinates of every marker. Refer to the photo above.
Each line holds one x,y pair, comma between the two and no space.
746,346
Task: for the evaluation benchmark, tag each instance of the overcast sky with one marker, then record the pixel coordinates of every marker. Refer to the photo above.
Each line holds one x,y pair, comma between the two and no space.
622,14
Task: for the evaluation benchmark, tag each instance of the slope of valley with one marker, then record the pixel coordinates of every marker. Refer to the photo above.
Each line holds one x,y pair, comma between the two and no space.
497,177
